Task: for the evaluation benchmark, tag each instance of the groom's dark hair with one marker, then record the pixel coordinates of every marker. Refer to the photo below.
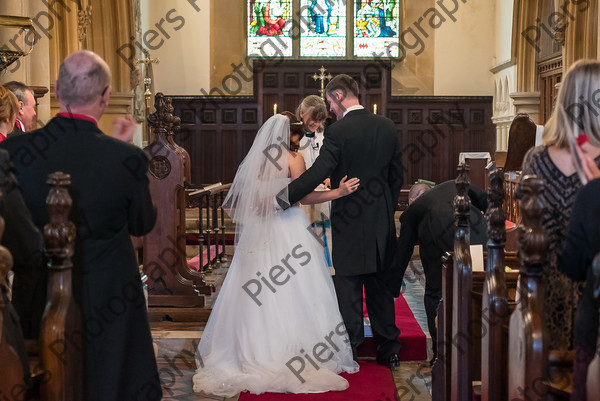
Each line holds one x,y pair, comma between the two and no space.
344,83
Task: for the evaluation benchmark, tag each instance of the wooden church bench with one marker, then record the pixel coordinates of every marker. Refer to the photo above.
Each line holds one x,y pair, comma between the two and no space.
466,342
56,363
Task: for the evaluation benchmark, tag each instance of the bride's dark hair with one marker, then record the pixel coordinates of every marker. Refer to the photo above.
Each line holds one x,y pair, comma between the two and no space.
295,129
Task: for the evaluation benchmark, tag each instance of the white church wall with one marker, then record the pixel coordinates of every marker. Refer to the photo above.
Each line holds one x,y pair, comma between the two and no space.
464,48
503,30
178,33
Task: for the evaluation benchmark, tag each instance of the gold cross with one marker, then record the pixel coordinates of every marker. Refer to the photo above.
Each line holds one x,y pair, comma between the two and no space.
322,77
147,60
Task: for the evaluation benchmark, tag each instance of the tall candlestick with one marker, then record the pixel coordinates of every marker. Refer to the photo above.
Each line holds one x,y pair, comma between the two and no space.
274,108
375,108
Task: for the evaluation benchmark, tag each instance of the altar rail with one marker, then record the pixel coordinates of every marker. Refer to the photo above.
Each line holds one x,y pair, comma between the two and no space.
211,237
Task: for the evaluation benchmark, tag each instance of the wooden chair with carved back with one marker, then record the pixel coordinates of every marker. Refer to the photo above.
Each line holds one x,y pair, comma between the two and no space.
521,138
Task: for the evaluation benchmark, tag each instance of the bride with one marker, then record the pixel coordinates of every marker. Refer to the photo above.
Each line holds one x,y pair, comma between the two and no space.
275,326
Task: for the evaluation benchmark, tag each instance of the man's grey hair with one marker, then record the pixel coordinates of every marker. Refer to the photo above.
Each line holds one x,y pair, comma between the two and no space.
19,89
417,190
82,78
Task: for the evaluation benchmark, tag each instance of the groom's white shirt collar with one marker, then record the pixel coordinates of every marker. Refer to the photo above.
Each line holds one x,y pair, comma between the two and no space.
352,108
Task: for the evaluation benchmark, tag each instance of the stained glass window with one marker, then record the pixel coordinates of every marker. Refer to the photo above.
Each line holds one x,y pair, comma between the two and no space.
323,28
376,26
269,28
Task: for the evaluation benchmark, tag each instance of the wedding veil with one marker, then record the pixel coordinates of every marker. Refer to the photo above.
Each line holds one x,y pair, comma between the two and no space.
261,176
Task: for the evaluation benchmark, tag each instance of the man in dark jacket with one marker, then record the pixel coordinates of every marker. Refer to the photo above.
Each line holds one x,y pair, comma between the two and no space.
363,145
429,220
24,241
111,201
27,110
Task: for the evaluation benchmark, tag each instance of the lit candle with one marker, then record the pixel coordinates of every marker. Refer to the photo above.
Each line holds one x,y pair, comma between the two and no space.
375,108
274,108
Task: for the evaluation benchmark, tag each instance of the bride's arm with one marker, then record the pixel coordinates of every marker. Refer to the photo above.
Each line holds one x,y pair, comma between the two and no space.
297,167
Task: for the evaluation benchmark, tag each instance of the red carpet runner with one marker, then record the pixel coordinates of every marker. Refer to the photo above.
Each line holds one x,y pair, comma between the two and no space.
194,262
372,382
414,341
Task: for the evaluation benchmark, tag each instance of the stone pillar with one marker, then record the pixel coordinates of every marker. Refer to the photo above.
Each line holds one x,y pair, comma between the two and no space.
33,69
502,127
527,102
40,58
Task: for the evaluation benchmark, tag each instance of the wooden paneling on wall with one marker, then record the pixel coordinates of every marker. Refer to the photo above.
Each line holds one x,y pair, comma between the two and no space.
218,131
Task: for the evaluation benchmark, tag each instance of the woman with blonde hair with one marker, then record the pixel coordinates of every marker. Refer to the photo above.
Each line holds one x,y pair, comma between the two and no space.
582,242
9,107
312,112
572,119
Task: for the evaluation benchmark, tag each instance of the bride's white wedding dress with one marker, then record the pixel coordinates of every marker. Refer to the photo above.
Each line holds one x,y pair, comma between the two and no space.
276,325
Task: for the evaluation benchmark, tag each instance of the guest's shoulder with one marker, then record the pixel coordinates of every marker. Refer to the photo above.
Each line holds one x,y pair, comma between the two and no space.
533,158
14,141
535,152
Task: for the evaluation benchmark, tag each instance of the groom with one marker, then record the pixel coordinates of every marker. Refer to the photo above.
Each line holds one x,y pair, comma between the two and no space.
360,144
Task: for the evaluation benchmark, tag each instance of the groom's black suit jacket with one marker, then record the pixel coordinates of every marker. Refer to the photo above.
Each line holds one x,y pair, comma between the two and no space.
366,146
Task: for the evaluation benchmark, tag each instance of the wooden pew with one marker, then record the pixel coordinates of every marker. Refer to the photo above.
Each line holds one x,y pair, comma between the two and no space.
528,366
477,328
59,357
495,307
460,375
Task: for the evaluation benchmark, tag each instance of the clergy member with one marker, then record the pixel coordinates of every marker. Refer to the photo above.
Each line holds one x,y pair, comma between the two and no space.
111,201
312,111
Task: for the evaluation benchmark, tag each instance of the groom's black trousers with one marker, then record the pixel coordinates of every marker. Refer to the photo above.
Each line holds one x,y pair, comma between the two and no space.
380,306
